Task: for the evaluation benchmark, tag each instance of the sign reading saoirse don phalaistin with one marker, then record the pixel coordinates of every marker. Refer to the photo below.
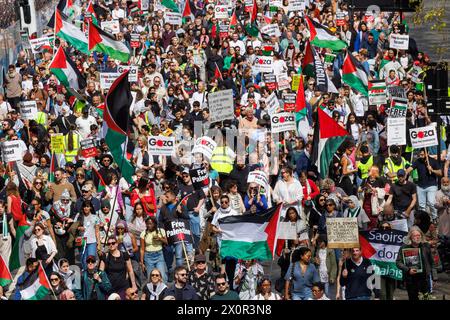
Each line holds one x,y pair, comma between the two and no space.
342,233
221,106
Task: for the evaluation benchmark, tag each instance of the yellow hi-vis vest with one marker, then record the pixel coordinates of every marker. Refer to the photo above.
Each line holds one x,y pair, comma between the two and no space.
393,168
365,167
42,119
221,161
70,155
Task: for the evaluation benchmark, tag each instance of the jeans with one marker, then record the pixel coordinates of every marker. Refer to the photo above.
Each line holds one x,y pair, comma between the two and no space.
306,295
89,250
154,260
360,298
179,253
194,220
427,197
168,257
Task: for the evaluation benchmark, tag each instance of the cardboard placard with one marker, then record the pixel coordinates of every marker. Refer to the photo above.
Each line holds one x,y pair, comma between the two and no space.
263,64
259,177
221,12
287,230
177,227
112,26
289,101
397,92
221,105
297,5
134,40
399,41
107,79
200,178
173,18
204,145
272,30
161,146
283,82
342,233
424,136
11,151
398,108
57,143
224,28
88,148
28,110
396,131
272,103
132,75
283,121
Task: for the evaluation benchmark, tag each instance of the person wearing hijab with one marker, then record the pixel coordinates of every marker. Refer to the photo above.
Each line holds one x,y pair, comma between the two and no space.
354,210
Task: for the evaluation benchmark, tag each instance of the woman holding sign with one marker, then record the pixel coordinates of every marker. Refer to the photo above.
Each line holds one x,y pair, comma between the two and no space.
288,191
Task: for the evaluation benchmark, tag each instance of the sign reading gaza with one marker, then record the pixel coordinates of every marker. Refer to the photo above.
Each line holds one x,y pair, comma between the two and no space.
161,146
283,121
424,136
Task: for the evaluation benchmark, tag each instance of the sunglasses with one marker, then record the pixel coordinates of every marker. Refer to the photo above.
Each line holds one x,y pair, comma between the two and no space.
111,243
220,284
330,205
155,276
201,262
38,229
224,202
90,261
54,279
182,274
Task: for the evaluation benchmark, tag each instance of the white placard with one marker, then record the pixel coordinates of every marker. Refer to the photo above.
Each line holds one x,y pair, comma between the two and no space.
271,30
37,43
112,26
424,136
399,41
259,177
161,146
205,145
132,75
221,106
107,79
396,131
28,110
283,82
11,151
342,233
283,121
263,64
221,12
297,5
272,103
173,18
287,230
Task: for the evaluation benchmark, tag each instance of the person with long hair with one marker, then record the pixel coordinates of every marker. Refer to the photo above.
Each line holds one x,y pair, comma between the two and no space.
13,202
89,229
155,288
113,193
57,283
146,195
264,291
288,190
42,247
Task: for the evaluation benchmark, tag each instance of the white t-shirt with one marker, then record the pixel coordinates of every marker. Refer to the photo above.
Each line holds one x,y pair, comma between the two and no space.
89,224
84,125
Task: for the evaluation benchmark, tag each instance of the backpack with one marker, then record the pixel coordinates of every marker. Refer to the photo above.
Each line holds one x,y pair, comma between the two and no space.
335,169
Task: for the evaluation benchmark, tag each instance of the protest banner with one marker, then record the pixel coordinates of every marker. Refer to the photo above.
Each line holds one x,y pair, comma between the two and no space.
340,18
399,41
134,40
259,177
283,121
263,64
423,137
398,108
11,151
199,178
112,26
287,231
289,101
382,247
224,28
57,143
204,145
283,82
397,92
176,229
297,5
221,12
88,148
272,30
377,92
274,5
28,110
107,79
295,82
270,81
173,18
161,146
132,75
221,106
248,5
396,131
272,103
342,233
38,43
412,258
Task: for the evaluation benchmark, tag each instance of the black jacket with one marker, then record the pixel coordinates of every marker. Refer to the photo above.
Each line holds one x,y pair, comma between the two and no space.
356,281
188,292
427,260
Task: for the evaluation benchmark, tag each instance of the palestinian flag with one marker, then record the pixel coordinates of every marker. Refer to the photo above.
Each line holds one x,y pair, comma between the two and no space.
66,71
301,111
381,247
267,49
17,254
187,11
251,28
70,33
217,73
322,37
102,184
53,166
64,7
5,275
250,236
170,4
308,61
354,74
115,124
233,20
328,136
90,15
102,41
36,286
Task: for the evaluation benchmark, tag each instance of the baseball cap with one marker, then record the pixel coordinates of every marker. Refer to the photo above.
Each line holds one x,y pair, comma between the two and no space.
200,258
401,172
86,187
91,258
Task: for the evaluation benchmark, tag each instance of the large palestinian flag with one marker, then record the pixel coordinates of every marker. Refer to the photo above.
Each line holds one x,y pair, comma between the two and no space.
5,275
250,236
381,247
301,111
115,124
64,7
322,37
66,71
36,285
102,41
328,136
354,75
17,258
308,61
70,33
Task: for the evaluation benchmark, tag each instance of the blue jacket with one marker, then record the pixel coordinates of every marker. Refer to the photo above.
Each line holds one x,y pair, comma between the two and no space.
303,163
259,208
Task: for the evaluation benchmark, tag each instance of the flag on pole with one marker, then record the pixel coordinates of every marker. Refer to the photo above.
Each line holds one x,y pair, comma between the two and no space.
53,166
251,27
17,254
170,4
217,73
66,71
233,20
70,33
354,75
36,285
322,37
102,41
301,111
308,61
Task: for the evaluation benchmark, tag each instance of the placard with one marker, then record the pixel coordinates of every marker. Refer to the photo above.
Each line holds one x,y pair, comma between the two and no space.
412,259
259,177
57,143
111,26
221,12
284,121
398,108
283,82
107,79
134,40
289,101
204,145
270,81
224,28
340,18
397,92
272,103
88,148
221,106
248,5
37,44
132,75
396,131
28,110
272,30
287,231
329,59
297,5
199,178
295,82
161,146
377,92
342,233
178,229
263,64
11,151
399,41
173,18
424,136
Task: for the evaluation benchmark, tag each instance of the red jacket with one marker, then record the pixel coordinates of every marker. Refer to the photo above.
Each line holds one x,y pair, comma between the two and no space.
147,200
314,191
